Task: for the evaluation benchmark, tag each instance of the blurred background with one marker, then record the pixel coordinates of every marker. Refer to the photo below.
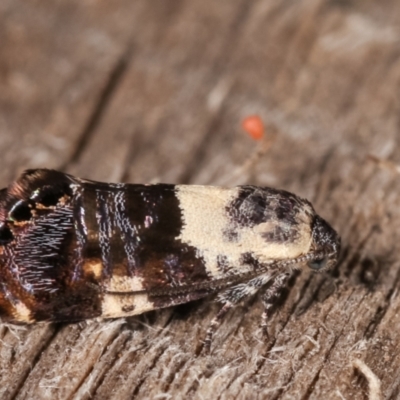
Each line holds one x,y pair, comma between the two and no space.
138,90
145,91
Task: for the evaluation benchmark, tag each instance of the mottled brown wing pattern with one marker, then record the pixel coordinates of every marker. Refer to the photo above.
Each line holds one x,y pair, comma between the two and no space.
72,249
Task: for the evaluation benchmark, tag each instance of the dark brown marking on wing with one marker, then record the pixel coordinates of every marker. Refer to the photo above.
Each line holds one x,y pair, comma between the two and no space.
37,265
39,250
80,234
105,228
76,302
231,234
6,235
256,205
128,309
145,221
86,210
129,232
162,260
279,209
250,259
281,234
224,266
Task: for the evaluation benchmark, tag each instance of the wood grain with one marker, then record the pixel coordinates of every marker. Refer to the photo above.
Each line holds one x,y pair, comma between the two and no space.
155,91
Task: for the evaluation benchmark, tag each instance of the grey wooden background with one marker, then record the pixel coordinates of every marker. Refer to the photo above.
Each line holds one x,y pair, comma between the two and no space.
155,90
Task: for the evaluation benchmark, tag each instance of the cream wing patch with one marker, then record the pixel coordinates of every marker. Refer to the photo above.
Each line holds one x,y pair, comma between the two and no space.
93,267
116,306
22,313
123,302
206,223
125,284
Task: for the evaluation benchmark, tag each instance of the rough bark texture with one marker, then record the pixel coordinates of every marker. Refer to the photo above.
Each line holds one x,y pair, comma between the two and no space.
155,90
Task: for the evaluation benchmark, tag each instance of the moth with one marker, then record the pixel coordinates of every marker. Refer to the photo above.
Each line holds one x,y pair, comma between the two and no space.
73,249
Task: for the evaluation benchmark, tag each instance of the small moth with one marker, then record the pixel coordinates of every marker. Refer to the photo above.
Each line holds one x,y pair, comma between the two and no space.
73,249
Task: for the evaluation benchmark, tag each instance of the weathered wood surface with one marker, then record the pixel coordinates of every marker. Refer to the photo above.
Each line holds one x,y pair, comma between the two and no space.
155,90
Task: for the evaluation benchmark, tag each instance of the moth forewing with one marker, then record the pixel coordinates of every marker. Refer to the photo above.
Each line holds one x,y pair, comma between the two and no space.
72,249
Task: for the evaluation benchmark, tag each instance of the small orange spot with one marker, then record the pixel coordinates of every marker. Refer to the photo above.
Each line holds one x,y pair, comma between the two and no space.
93,266
254,126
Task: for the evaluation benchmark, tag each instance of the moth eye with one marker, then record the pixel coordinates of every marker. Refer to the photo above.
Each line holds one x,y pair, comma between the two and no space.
318,264
20,212
6,235
47,196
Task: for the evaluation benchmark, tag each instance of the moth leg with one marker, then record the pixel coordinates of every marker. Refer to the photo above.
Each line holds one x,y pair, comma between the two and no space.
270,297
230,298
214,325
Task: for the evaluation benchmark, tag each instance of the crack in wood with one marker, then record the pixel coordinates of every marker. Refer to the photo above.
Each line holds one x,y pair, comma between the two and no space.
39,353
380,312
220,65
93,389
326,357
113,81
150,368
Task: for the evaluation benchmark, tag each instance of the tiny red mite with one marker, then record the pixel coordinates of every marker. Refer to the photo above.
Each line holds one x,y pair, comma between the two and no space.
254,126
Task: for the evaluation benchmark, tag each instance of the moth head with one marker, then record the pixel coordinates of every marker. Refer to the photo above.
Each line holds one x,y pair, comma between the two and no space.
325,246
